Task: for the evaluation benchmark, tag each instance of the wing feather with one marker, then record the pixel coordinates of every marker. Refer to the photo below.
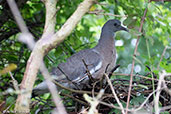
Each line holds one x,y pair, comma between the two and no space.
75,69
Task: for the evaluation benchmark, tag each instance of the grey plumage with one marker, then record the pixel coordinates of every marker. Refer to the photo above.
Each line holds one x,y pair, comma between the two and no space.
97,59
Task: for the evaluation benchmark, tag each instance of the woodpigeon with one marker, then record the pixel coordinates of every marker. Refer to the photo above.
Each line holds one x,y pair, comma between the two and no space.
95,60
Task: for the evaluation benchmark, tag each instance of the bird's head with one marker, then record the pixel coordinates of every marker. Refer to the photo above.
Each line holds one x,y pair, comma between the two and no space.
114,25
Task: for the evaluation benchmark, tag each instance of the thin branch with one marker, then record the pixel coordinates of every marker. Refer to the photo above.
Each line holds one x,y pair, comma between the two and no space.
73,90
133,109
6,111
165,108
156,100
146,100
111,105
161,58
14,81
87,71
76,99
17,15
53,90
133,62
114,93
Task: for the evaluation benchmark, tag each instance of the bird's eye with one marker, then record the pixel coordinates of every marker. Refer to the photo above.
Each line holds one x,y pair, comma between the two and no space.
115,24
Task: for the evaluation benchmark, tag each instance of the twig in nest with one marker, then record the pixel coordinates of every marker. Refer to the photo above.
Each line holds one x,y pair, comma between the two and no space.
94,102
145,101
114,93
141,76
94,84
166,88
76,99
73,90
160,84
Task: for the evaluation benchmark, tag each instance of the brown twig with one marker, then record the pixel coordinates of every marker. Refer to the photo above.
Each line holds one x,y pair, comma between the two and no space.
111,105
133,62
77,100
75,91
87,71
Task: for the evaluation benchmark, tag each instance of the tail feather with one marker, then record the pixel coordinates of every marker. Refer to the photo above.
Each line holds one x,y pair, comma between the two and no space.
40,89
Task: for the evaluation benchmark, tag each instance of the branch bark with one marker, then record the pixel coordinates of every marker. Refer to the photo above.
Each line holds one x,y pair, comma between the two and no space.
44,45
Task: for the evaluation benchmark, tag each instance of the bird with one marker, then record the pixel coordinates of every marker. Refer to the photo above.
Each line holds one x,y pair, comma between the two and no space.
96,60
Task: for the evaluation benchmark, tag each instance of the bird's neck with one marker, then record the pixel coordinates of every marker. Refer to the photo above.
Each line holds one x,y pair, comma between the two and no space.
106,42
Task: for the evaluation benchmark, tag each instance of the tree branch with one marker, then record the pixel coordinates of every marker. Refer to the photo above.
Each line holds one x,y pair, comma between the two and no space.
50,22
44,45
133,62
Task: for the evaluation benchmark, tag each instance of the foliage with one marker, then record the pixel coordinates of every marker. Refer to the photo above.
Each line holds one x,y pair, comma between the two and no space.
155,37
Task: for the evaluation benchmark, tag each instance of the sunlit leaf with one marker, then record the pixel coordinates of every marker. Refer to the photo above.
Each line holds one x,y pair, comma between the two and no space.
92,8
10,67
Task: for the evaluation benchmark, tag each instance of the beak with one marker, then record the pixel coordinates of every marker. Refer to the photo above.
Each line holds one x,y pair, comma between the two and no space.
123,28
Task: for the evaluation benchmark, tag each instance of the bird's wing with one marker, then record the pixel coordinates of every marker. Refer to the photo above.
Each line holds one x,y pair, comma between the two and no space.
75,69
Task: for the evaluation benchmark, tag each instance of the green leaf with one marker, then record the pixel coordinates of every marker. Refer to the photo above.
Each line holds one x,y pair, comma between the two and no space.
135,33
10,100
